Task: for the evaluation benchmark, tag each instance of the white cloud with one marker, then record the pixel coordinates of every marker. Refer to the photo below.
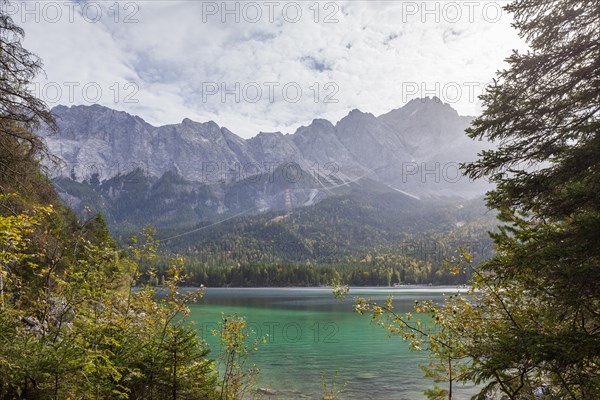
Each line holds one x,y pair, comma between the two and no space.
377,56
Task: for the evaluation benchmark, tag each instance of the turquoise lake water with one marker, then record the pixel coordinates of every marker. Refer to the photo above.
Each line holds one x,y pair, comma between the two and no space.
310,333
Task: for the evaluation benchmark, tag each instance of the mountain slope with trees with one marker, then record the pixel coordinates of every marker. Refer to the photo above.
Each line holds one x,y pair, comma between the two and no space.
356,221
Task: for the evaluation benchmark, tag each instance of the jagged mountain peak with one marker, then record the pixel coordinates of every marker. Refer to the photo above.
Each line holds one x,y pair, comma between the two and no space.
264,134
208,125
427,107
96,122
356,113
360,144
60,111
318,126
207,130
318,122
356,121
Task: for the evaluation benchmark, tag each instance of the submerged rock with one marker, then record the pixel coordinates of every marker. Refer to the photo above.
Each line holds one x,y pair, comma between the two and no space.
366,376
267,391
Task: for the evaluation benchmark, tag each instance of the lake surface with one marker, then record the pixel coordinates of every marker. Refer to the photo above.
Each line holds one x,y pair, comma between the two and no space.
310,333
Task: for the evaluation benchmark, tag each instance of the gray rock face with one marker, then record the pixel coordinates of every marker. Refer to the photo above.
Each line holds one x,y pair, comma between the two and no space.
433,134
273,147
415,148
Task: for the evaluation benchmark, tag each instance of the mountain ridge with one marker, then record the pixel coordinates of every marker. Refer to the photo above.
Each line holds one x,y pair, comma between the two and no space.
364,181
409,148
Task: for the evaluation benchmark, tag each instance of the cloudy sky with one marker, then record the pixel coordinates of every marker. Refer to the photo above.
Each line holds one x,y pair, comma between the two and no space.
265,65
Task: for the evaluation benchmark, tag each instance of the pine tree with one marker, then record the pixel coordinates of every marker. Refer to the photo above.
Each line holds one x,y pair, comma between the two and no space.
530,325
543,113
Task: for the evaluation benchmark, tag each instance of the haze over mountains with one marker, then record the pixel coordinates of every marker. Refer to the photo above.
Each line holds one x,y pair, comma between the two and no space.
415,149
325,192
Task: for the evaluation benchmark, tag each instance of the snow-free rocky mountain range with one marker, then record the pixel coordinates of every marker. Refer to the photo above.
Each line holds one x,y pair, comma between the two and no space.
414,150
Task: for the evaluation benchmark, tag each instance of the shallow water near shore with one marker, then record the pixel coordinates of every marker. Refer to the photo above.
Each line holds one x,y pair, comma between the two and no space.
310,335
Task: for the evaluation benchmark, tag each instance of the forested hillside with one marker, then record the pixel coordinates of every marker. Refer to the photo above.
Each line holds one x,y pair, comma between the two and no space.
350,232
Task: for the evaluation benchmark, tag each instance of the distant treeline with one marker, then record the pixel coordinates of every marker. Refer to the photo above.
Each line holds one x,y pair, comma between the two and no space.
382,270
243,261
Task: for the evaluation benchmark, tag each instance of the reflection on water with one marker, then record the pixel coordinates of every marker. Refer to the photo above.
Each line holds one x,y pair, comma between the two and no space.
310,333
